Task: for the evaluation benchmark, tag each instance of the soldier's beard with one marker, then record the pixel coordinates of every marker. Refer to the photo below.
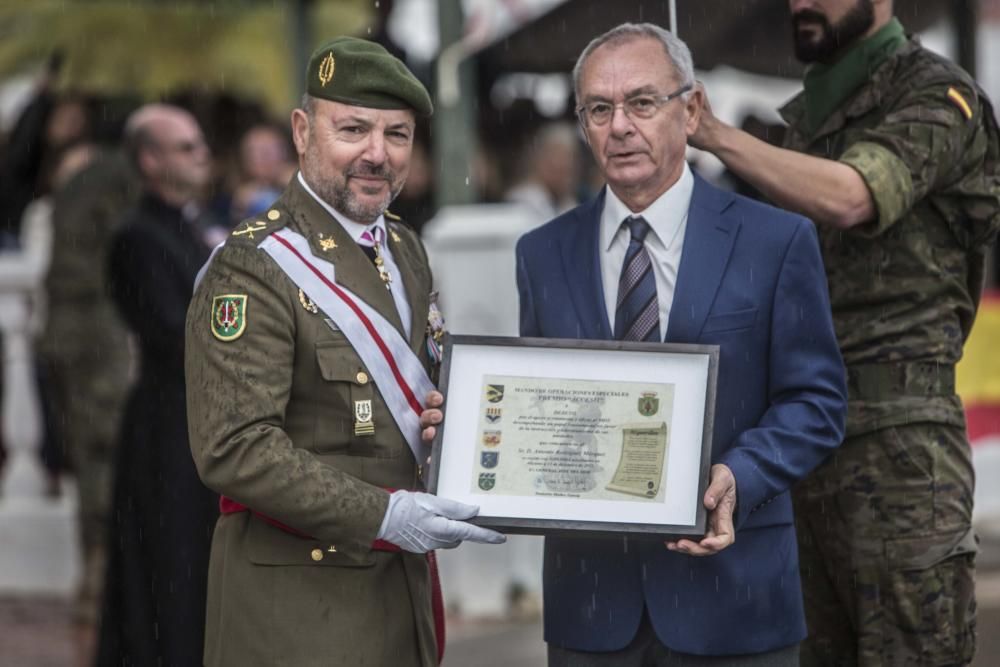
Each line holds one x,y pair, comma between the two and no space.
336,191
832,37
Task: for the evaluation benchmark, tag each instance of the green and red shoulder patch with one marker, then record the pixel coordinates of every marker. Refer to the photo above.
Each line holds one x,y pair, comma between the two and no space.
229,316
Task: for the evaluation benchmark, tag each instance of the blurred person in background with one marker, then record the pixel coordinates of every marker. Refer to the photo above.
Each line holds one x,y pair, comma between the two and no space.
154,606
267,164
84,344
894,152
550,164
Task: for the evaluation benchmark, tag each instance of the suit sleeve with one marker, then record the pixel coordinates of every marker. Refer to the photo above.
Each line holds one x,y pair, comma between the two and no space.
528,322
237,392
807,391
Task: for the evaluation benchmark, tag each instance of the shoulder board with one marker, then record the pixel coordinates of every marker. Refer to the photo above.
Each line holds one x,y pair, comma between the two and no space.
389,215
258,227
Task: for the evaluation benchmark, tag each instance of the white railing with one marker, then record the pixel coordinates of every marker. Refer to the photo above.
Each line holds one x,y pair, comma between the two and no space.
38,546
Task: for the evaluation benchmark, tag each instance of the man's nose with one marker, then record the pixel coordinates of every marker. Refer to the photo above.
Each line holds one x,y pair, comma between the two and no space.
375,150
620,122
797,5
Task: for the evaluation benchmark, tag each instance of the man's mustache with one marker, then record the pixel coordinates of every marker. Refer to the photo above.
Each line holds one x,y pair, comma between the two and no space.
809,16
370,172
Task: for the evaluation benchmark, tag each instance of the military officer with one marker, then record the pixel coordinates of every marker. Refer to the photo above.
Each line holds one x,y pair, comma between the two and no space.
893,152
308,351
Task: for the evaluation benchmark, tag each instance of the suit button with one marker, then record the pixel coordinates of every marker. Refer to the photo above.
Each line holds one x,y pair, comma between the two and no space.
317,555
362,377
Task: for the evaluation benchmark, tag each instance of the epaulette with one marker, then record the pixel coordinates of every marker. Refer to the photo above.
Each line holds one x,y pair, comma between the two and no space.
256,228
389,215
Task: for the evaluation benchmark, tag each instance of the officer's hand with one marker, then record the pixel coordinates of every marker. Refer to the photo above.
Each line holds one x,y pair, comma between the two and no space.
431,416
720,500
706,136
420,522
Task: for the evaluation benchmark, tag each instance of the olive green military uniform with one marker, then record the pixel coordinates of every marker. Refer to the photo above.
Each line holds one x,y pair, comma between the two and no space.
271,415
85,348
885,524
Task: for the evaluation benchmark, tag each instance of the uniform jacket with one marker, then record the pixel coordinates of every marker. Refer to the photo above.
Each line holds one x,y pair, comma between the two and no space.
751,281
272,427
904,287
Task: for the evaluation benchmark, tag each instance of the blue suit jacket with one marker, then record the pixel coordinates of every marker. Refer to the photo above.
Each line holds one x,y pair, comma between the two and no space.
751,280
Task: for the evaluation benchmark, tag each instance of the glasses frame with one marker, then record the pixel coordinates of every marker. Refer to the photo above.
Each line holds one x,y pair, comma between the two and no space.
584,116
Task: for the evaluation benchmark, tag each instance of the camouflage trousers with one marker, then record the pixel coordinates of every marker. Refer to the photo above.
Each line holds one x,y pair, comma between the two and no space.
887,551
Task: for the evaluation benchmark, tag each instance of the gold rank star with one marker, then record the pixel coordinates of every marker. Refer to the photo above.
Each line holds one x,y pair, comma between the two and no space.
326,244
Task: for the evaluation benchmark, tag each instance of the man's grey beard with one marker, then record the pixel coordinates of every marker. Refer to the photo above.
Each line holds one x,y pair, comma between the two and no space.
343,200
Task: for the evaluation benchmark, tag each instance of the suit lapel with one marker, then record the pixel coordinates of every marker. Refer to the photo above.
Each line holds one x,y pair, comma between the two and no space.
419,299
582,266
708,242
353,270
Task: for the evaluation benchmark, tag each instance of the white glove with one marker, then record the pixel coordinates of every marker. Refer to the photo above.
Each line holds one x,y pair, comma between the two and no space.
420,522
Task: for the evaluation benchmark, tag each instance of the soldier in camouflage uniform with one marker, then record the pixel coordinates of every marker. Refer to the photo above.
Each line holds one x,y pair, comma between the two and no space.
893,152
85,348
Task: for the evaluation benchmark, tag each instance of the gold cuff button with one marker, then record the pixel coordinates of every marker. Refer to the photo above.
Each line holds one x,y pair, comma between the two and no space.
317,555
362,377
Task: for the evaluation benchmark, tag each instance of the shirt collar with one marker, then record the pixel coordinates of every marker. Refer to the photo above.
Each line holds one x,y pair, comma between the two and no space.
665,215
354,229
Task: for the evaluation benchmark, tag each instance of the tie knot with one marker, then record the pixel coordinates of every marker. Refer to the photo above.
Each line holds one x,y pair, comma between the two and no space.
638,226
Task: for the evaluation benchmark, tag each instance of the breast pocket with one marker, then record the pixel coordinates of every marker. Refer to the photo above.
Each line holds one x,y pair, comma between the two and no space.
734,320
346,398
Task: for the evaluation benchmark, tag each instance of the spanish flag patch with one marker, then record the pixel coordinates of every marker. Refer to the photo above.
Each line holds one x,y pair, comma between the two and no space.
959,101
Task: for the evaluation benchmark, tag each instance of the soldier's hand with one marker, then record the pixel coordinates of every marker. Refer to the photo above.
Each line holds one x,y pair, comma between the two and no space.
431,416
420,522
720,500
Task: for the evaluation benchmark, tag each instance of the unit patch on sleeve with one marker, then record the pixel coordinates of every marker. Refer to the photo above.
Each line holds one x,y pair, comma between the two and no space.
229,316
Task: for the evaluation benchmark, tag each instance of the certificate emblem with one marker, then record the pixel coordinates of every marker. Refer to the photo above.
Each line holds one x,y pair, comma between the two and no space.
491,438
489,459
649,404
493,415
487,480
494,393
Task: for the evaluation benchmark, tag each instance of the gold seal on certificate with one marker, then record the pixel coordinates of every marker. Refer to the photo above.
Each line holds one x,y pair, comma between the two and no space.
545,437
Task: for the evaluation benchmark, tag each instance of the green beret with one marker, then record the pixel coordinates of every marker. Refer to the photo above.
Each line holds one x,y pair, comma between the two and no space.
362,73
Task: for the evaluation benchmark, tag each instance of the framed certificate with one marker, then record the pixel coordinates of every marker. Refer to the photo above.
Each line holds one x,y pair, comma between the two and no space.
577,436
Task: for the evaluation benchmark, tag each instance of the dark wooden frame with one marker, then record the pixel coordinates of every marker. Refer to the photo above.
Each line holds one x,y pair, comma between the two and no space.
579,527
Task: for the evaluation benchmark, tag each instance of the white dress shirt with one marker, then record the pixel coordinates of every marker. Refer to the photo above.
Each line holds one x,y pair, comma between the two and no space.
355,230
667,218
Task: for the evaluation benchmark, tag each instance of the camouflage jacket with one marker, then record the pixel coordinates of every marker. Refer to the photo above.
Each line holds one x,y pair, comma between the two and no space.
904,287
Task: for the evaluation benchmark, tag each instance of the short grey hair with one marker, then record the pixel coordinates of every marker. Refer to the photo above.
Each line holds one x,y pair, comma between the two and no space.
677,51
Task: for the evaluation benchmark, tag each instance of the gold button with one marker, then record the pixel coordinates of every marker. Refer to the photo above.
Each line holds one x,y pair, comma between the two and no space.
362,377
273,215
317,555
332,548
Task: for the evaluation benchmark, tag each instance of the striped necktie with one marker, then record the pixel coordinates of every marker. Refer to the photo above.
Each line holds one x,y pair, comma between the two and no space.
637,314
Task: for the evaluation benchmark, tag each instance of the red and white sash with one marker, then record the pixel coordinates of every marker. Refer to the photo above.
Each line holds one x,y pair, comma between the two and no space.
395,369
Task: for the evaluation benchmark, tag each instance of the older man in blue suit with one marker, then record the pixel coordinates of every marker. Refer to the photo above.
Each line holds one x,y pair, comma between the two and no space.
659,255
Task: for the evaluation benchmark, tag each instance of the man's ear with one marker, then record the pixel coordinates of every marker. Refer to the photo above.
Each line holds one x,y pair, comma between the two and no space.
693,106
300,130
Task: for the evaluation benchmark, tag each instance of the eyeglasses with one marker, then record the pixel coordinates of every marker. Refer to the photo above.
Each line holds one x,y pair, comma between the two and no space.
638,106
186,147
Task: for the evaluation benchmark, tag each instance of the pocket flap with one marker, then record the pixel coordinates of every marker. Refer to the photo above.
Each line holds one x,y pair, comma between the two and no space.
338,362
926,551
736,319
